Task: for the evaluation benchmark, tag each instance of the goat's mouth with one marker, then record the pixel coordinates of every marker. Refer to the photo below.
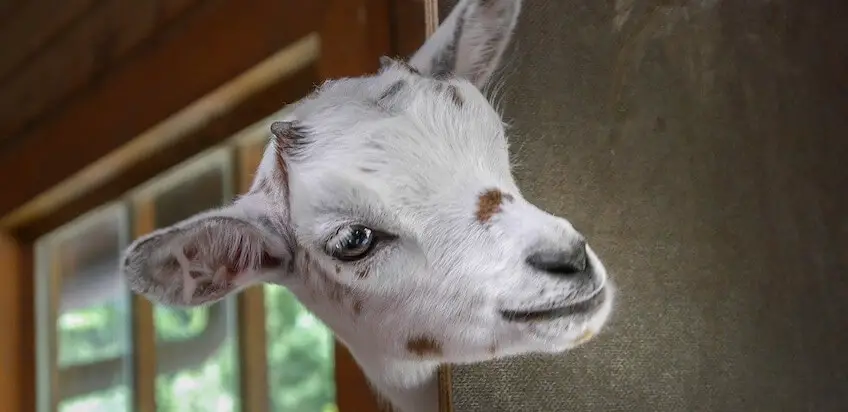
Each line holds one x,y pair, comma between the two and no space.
584,307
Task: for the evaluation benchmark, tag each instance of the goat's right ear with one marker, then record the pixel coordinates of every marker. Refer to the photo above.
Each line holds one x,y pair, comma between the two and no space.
470,42
204,258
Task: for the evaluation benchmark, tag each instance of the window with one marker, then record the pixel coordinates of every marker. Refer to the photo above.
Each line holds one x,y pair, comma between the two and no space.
260,350
82,309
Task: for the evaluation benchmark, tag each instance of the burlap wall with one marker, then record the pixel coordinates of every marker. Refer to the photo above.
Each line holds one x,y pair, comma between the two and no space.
703,147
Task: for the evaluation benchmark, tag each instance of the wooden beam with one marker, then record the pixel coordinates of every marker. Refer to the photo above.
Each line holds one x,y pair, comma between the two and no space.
354,34
284,77
445,388
408,27
20,39
17,315
143,325
48,63
166,76
9,8
353,392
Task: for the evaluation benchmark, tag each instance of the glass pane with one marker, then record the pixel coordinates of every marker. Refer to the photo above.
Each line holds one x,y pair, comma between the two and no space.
196,352
300,355
82,302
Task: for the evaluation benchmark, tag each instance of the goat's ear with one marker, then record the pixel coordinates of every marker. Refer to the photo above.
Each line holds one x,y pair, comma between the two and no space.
470,42
204,258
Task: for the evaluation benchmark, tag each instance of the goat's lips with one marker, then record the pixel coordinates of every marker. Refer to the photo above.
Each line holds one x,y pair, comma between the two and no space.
587,306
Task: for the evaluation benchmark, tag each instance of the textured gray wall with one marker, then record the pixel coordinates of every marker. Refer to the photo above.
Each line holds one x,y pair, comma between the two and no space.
703,148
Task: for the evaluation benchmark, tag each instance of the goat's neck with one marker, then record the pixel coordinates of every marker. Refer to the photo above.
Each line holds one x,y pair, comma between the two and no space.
409,385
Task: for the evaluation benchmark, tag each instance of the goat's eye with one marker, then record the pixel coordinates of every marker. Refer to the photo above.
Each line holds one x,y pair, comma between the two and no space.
352,243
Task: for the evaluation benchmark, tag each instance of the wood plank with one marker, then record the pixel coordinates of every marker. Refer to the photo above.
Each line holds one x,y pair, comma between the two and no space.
9,8
408,27
213,47
50,51
20,38
172,9
445,395
104,35
36,78
17,347
354,34
353,392
213,132
143,325
283,78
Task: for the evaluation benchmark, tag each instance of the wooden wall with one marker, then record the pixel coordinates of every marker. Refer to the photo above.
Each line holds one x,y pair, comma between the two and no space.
81,78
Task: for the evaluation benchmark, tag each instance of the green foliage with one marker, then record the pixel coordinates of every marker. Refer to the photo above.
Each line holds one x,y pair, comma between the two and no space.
300,356
299,351
91,334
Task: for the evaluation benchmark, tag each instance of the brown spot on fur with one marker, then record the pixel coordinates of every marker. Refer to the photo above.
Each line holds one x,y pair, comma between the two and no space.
338,269
456,98
489,204
424,346
493,348
357,307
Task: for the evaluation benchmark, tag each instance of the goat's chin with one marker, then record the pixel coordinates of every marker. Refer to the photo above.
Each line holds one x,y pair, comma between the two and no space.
570,332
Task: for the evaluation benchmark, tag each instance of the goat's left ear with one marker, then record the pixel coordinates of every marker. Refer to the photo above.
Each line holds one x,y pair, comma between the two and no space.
470,42
205,258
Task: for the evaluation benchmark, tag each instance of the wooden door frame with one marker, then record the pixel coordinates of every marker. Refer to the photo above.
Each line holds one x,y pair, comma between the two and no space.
396,27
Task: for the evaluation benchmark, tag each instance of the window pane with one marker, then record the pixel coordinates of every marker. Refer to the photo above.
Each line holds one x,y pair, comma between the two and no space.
196,353
300,356
82,307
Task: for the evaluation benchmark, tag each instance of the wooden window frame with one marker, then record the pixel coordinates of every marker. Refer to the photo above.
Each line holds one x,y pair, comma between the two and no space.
37,207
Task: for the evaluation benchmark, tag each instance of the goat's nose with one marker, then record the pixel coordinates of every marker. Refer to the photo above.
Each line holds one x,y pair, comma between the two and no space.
566,262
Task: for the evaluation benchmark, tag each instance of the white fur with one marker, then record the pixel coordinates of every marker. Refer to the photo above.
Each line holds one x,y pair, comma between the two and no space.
414,165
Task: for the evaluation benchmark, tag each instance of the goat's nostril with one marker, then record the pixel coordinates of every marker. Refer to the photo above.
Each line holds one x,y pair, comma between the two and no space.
562,263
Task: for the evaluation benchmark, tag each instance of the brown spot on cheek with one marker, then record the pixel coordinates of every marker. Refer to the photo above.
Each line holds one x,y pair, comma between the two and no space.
357,307
489,204
424,346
